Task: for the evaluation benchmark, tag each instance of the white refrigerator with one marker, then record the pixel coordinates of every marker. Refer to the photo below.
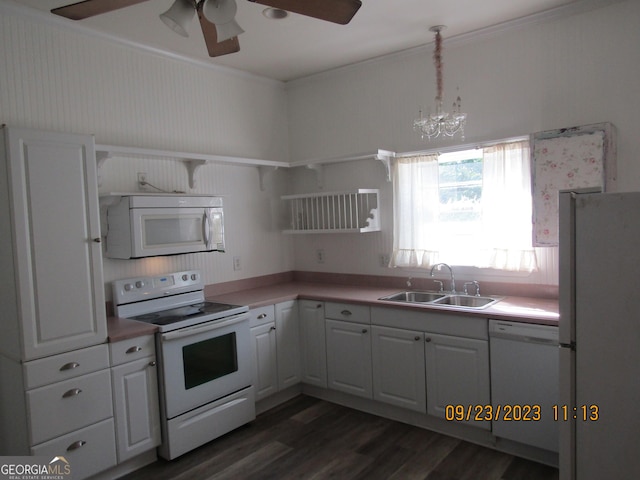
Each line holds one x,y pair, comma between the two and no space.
599,409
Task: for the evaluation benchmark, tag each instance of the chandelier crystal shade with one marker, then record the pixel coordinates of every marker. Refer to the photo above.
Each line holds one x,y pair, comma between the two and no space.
440,122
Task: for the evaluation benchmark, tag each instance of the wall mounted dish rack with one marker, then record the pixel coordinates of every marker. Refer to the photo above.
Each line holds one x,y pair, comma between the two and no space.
334,212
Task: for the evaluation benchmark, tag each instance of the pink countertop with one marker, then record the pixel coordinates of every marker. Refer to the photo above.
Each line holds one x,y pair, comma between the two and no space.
522,309
519,309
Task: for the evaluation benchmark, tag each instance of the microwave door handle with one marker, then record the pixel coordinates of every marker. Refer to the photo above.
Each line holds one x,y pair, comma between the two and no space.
206,226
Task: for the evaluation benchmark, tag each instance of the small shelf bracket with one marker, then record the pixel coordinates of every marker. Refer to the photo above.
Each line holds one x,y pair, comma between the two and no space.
262,171
385,158
192,167
101,157
319,169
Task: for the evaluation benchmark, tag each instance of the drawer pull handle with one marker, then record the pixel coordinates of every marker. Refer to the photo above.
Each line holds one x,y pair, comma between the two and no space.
76,445
261,316
69,366
74,392
428,339
319,305
345,312
135,349
364,330
152,363
272,328
417,338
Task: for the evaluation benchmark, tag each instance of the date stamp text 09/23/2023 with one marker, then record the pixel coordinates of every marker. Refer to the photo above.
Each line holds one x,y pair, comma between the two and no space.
521,413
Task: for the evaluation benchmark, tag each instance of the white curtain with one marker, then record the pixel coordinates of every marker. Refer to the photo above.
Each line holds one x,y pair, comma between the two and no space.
501,239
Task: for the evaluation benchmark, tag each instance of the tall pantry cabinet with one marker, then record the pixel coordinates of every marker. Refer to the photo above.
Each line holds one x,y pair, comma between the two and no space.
53,317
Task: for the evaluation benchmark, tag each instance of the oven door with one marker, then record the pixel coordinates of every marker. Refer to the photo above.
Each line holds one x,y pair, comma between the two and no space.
204,363
170,231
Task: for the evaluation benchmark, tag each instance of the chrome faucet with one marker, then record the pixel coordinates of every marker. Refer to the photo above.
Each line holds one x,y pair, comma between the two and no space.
453,280
475,284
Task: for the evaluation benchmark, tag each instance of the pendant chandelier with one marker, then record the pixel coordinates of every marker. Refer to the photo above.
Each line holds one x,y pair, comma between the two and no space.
440,122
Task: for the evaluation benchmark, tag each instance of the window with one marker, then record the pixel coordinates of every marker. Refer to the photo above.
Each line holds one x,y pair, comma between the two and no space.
470,207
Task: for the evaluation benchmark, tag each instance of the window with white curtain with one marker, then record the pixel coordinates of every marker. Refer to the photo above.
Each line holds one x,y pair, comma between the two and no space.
470,208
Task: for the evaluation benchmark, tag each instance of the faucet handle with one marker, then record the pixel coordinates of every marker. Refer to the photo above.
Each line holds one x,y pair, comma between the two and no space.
409,282
474,283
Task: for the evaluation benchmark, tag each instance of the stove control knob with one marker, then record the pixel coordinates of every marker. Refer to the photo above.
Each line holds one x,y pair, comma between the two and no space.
139,284
185,277
194,277
128,287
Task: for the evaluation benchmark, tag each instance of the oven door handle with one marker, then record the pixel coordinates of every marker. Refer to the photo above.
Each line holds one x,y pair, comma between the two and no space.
205,327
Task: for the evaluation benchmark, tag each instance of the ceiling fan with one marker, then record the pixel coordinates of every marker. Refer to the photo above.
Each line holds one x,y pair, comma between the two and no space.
217,17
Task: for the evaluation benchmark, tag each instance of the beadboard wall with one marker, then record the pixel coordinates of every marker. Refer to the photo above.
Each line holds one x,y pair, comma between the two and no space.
61,79
576,68
567,70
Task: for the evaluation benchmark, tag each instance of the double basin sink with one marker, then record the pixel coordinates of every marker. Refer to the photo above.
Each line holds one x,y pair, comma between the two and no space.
454,300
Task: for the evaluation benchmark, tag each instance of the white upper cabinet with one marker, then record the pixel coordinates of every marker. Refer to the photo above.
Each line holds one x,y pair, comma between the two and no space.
54,286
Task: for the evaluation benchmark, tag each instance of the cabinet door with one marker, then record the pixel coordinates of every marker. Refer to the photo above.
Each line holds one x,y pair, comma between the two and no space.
457,374
312,340
57,239
135,398
398,368
349,358
265,367
288,344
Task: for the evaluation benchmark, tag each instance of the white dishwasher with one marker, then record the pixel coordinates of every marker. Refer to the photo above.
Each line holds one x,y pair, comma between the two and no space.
524,382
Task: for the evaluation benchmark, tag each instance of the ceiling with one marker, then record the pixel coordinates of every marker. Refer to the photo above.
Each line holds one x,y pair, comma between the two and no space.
298,46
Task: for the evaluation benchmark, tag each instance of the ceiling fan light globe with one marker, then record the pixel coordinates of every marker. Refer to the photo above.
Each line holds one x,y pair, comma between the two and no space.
228,30
178,16
220,11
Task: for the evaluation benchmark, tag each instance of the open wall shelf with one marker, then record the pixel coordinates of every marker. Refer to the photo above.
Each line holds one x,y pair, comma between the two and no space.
354,211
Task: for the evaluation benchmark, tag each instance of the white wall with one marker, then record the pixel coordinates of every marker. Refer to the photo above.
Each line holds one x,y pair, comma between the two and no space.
59,79
568,71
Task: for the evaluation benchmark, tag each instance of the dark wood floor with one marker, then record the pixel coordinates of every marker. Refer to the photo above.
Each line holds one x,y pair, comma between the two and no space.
307,438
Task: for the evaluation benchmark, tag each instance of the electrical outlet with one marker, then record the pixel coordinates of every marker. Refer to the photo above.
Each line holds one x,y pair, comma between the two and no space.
384,260
236,263
320,255
142,182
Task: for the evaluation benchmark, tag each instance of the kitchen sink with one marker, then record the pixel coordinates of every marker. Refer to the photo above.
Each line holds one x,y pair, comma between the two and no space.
414,297
442,299
465,301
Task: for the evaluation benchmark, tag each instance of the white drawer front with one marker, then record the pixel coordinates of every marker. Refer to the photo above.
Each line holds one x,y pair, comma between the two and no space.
66,365
89,450
132,349
66,406
348,312
262,315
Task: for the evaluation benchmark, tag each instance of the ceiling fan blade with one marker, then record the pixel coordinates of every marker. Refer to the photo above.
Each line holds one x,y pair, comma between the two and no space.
89,8
336,11
215,48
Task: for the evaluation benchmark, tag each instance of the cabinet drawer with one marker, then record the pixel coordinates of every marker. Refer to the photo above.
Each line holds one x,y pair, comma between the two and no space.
89,450
347,311
65,366
262,315
132,349
66,406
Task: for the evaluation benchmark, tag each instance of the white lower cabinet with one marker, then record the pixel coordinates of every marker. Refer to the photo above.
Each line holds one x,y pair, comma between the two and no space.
287,344
399,368
88,451
276,348
313,352
135,396
457,374
69,409
349,357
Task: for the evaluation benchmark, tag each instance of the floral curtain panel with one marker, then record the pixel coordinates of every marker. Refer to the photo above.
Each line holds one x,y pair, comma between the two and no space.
576,158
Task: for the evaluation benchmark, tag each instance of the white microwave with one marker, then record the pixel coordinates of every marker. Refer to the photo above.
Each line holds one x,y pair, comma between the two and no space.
152,225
